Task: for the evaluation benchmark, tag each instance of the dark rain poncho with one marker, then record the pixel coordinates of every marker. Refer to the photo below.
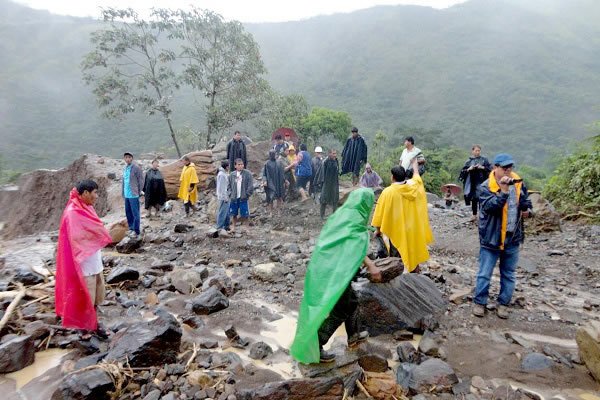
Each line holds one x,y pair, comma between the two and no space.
154,189
340,251
472,179
273,173
329,182
353,155
317,176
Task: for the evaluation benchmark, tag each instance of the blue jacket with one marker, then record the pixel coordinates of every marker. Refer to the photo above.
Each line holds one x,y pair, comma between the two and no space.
304,168
491,206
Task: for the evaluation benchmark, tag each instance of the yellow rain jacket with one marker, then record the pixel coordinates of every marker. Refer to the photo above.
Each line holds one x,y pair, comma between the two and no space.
401,214
188,176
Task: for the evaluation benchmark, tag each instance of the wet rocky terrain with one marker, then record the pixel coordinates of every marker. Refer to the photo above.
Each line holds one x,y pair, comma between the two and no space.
195,316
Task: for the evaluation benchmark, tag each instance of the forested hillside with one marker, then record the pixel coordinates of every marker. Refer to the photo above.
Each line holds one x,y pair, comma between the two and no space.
508,75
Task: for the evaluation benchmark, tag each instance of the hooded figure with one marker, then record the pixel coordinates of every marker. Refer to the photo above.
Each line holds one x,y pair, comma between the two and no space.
354,155
81,235
274,179
154,188
401,214
340,251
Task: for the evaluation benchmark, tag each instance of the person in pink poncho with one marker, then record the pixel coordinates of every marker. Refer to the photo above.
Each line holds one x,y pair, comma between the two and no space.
79,280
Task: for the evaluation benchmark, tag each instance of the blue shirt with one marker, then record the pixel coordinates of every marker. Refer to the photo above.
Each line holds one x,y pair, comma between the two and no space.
127,193
513,210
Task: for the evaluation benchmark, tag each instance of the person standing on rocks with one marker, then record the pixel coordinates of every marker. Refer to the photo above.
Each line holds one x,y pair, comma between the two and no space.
288,174
303,171
79,281
329,182
279,145
274,182
329,299
155,192
241,187
401,215
223,199
354,155
409,153
317,175
504,203
236,148
188,188
131,190
473,173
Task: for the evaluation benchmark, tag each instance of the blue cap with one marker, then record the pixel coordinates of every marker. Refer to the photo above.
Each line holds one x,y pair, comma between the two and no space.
503,160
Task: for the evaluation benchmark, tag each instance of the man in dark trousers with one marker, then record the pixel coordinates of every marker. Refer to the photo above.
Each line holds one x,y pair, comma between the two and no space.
473,173
317,169
131,189
236,148
354,155
329,182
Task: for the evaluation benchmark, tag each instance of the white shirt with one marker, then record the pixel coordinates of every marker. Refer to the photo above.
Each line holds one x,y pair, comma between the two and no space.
92,265
238,181
407,156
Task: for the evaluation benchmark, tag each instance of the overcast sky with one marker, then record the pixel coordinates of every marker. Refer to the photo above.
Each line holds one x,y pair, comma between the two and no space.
241,10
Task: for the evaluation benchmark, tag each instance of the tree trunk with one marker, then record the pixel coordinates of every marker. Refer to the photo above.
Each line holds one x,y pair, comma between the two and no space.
210,117
173,137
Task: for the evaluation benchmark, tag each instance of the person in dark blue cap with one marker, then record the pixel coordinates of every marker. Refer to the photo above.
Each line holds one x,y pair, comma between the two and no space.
503,203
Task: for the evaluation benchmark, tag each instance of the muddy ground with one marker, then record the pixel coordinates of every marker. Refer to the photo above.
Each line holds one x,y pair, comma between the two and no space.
557,291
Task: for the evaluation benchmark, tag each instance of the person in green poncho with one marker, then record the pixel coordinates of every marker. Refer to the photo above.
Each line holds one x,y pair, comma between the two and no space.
329,299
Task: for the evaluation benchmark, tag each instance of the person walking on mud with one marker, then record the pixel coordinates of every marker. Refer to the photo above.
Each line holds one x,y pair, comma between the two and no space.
329,299
473,173
79,285
188,188
504,202
131,189
354,155
155,192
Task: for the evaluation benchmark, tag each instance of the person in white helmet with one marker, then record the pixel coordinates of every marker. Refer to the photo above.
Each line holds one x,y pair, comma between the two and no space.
317,172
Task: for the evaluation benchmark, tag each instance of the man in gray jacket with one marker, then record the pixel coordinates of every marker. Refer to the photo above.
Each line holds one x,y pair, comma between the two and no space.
223,198
131,190
241,186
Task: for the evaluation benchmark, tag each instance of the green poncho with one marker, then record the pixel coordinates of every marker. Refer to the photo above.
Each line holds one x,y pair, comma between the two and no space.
341,248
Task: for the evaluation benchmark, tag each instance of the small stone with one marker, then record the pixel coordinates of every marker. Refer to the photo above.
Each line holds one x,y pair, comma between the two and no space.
122,274
478,383
260,350
536,362
373,363
129,244
209,302
429,344
403,335
27,277
183,228
407,353
555,252
459,296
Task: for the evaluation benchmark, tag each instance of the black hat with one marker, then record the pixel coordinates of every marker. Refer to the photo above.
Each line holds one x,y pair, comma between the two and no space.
127,154
355,129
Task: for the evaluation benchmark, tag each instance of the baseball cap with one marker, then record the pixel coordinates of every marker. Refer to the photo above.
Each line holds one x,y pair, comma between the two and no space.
503,159
127,154
318,149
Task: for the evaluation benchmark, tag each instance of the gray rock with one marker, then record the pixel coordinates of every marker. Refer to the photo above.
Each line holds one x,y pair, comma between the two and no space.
551,352
407,353
153,395
429,344
27,277
93,384
270,272
184,280
16,354
183,228
222,283
122,274
535,362
129,245
404,374
260,350
409,301
432,372
373,363
147,343
162,266
209,302
306,389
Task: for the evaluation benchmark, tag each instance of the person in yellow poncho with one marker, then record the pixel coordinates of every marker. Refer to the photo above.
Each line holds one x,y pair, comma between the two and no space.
401,214
188,188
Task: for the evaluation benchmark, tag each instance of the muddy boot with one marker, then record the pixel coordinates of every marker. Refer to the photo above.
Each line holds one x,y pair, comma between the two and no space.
326,357
502,311
357,338
478,310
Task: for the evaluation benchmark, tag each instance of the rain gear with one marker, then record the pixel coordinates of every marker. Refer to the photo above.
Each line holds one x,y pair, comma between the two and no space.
329,182
340,251
188,176
154,189
401,214
236,149
472,179
353,155
317,176
81,234
273,175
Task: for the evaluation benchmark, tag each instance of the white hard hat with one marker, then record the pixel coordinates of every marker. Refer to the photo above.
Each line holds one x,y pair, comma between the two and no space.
318,149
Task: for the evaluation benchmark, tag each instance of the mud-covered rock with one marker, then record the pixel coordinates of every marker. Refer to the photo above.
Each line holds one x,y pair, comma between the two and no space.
410,301
185,280
269,272
260,350
16,354
92,384
147,343
373,363
210,301
297,389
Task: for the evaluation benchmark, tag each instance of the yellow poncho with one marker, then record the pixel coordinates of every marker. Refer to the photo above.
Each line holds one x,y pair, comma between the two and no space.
188,176
401,214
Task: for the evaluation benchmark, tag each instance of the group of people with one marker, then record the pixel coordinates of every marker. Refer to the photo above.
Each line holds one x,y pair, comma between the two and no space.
400,218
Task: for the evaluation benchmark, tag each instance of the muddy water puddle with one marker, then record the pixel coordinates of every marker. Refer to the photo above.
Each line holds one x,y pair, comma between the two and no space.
44,361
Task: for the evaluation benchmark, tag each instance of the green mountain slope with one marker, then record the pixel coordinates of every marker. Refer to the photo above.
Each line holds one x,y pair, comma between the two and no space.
512,75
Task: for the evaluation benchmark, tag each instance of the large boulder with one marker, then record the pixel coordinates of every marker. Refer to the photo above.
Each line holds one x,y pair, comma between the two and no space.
297,389
92,384
146,344
546,219
16,354
118,230
588,341
409,301
204,168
